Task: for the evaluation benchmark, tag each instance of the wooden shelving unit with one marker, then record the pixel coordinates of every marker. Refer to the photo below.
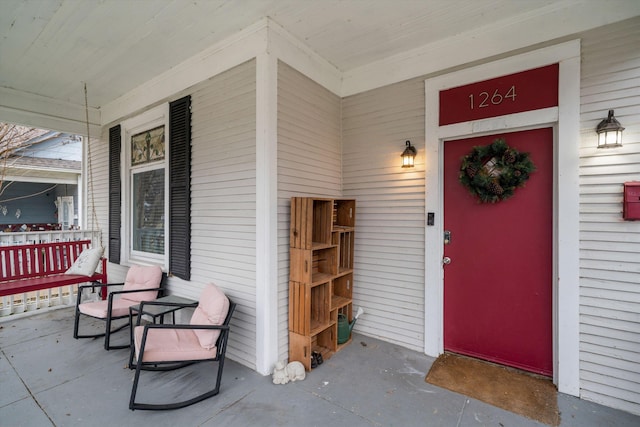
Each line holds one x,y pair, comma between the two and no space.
321,275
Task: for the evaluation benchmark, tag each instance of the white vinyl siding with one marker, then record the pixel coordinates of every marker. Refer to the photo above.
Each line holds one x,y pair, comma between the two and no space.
309,164
609,246
96,189
98,172
389,249
223,199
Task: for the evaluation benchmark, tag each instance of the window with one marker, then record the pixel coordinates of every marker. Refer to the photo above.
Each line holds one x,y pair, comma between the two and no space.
145,222
150,189
147,194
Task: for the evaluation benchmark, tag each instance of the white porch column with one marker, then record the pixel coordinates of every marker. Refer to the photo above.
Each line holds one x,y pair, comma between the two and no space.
567,372
266,212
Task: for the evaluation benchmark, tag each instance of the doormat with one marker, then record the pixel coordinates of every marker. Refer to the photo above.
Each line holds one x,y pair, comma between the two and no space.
523,393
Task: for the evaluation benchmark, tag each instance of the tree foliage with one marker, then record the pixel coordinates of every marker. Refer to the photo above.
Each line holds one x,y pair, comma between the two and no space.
13,138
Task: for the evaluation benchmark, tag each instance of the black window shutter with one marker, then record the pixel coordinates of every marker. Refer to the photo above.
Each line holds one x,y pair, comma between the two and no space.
180,188
114,194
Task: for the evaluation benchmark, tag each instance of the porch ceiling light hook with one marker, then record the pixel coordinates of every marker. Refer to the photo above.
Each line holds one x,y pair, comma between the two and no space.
609,132
409,155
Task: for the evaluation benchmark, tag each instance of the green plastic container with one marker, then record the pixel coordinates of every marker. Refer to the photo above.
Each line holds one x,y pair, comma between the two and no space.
344,329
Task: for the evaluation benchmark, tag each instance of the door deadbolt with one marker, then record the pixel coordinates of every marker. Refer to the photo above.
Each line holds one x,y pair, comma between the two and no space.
447,237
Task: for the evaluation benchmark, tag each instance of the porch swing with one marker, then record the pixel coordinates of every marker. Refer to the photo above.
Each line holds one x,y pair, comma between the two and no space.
37,266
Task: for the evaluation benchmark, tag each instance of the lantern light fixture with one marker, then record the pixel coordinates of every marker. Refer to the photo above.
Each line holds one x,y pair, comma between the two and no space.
409,155
609,132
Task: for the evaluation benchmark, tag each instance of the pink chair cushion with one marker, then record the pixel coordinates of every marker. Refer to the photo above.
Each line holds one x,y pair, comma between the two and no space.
142,277
171,345
212,310
120,307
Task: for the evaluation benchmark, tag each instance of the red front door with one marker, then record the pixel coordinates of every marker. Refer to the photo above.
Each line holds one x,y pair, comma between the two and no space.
498,285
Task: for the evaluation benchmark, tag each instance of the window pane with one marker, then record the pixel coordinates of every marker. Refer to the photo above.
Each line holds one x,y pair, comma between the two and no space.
148,211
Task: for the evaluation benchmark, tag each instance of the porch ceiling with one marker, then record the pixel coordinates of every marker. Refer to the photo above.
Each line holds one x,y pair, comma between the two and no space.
49,48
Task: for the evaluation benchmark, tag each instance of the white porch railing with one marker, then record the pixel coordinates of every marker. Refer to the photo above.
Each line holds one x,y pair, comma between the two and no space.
63,295
22,238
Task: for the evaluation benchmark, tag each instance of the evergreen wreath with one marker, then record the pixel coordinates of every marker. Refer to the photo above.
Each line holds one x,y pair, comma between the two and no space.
493,172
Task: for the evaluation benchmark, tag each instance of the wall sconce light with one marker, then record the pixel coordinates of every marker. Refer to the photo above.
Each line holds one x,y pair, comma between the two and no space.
609,132
408,155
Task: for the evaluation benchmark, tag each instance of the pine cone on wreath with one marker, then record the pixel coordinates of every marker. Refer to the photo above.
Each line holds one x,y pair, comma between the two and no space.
495,188
517,173
509,156
471,171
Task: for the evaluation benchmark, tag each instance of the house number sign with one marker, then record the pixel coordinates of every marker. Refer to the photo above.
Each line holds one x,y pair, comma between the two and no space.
515,93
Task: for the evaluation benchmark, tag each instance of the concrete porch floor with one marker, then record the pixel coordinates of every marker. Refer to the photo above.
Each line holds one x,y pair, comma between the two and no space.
47,378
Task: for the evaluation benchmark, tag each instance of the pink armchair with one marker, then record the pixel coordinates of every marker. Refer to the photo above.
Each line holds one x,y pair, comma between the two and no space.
141,284
161,347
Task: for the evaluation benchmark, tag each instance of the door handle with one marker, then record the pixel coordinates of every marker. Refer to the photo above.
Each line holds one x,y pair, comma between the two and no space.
446,260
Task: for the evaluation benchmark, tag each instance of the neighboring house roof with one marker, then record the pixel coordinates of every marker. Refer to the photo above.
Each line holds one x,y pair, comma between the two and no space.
39,155
32,169
45,163
53,145
12,137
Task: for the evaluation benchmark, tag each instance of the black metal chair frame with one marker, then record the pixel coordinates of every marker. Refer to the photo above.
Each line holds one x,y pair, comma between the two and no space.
109,318
221,348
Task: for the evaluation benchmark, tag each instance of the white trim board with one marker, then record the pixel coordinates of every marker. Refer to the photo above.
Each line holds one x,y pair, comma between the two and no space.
566,121
263,37
46,113
554,21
